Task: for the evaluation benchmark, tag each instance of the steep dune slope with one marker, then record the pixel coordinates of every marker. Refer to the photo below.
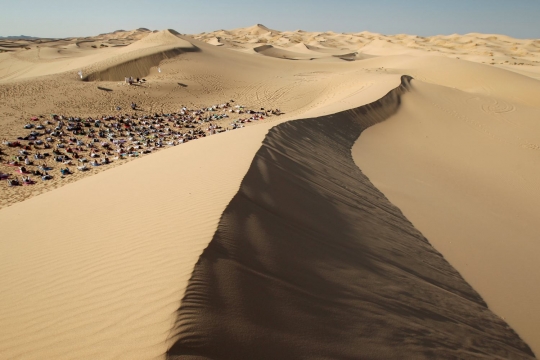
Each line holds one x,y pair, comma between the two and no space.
462,164
137,59
311,261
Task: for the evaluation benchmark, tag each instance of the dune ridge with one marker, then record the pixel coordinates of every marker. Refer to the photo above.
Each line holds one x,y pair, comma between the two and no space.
106,57
137,67
310,260
273,51
518,55
104,276
465,171
141,56
107,278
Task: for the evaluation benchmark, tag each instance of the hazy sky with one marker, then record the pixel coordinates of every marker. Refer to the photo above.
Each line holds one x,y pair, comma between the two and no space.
67,18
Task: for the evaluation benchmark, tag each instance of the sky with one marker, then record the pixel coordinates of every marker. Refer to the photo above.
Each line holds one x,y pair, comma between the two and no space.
74,18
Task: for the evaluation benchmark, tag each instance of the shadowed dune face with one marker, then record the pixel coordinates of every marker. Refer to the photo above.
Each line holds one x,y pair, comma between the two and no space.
310,260
149,52
139,67
108,57
302,53
271,51
463,167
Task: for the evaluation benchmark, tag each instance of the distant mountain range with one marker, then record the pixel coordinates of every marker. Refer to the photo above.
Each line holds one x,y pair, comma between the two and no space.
19,37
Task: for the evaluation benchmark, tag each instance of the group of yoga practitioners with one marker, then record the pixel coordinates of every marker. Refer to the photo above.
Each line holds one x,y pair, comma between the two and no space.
85,143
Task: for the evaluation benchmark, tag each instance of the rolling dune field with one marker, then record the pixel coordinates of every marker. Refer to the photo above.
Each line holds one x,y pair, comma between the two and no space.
388,211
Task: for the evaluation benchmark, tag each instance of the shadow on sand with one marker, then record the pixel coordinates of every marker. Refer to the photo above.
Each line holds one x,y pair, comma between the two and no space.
311,261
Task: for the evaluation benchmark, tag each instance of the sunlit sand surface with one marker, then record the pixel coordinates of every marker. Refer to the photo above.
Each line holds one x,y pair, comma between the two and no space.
389,212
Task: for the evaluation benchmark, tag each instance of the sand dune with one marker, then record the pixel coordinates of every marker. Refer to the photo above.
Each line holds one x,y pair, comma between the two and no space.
138,58
302,52
520,55
33,58
110,63
96,266
215,41
93,284
386,48
324,49
109,287
276,52
311,261
464,171
255,30
106,272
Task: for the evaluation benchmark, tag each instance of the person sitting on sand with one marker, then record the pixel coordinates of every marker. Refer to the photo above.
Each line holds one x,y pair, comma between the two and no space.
22,169
26,180
95,163
65,171
46,176
13,182
133,106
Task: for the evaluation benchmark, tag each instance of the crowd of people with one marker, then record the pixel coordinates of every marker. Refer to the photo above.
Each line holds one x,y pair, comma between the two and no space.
77,144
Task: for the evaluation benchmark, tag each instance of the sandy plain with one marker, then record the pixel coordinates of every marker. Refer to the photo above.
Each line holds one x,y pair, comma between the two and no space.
398,214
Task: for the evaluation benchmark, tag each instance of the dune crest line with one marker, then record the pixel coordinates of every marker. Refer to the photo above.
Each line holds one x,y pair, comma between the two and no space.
164,45
138,67
310,260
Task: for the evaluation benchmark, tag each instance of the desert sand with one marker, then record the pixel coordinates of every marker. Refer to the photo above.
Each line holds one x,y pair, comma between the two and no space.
465,171
369,221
